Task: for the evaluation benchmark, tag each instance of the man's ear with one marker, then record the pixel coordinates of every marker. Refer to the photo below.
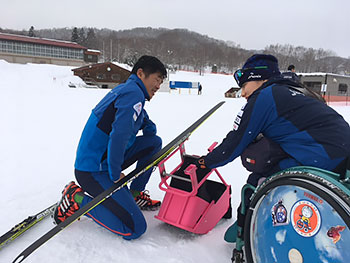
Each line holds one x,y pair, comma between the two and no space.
140,73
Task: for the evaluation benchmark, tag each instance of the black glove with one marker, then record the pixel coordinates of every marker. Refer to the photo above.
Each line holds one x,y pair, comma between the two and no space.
202,169
200,163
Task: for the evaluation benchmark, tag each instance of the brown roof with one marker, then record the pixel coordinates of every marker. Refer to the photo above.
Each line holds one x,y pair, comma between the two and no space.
43,41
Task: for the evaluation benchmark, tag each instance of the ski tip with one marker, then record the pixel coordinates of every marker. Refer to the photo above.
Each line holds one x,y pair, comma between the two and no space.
19,259
221,103
217,106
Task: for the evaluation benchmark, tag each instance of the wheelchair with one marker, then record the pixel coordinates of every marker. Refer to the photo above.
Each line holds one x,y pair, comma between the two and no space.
301,214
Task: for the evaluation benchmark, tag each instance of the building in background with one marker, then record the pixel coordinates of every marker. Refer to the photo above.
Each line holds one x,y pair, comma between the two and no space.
91,56
332,87
24,49
108,75
103,75
234,92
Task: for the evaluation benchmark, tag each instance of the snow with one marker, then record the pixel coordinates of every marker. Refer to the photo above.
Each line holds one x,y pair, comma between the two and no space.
322,74
123,65
42,119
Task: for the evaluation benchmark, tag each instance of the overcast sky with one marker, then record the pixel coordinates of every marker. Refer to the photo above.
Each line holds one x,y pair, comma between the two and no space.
253,24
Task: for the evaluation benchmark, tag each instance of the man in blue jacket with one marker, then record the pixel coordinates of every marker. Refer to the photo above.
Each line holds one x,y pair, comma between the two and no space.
297,128
109,144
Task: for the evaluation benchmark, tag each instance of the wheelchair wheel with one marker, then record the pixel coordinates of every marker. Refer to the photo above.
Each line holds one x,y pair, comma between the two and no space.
298,216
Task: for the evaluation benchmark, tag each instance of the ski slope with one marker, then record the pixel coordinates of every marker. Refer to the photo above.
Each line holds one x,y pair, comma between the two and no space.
41,122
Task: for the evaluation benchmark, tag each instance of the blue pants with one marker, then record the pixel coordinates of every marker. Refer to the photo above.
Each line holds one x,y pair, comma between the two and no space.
119,213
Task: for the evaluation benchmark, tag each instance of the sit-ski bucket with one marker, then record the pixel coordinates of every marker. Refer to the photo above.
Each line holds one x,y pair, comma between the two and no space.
193,202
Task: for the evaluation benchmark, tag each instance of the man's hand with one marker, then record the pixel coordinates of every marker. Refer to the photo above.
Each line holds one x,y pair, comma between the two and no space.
200,163
122,175
202,169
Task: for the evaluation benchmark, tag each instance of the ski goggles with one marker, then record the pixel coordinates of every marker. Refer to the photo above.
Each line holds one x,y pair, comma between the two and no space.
239,74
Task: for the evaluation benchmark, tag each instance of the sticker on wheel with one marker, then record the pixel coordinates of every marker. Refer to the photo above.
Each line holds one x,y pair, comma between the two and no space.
279,214
305,218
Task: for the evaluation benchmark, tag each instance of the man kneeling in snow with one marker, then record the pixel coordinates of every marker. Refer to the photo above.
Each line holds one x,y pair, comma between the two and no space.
108,145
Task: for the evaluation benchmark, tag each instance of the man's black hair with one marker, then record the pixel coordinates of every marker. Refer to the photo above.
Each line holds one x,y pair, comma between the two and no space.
149,65
291,67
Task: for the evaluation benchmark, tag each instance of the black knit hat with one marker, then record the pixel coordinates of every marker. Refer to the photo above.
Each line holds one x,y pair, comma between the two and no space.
257,67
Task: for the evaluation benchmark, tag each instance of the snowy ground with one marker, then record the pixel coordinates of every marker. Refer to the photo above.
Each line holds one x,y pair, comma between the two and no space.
41,122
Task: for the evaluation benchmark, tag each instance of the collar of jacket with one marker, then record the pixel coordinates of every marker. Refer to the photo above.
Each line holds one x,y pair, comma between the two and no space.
139,83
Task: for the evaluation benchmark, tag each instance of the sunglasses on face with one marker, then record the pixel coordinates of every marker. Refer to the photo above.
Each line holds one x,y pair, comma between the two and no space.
240,72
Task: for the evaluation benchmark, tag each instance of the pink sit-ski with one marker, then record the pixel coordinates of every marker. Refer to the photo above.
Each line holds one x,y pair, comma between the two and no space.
192,201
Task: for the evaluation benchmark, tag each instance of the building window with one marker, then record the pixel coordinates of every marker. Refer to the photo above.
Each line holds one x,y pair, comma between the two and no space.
40,50
116,77
313,85
342,88
101,76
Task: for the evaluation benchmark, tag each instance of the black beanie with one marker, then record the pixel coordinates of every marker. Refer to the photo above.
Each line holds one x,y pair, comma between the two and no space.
258,67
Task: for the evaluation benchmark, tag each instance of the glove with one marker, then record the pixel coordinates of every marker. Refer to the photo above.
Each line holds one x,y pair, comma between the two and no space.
120,177
202,169
200,163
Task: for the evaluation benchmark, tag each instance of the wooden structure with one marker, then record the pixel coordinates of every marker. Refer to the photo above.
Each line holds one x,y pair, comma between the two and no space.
102,75
91,56
233,93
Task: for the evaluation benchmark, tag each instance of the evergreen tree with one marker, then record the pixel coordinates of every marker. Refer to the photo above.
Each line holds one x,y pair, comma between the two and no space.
91,39
81,38
31,32
75,35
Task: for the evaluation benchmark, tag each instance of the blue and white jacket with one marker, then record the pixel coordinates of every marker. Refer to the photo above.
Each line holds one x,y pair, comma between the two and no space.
312,133
112,128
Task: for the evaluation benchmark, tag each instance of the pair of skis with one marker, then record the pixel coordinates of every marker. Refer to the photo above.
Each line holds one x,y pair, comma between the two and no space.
154,161
25,225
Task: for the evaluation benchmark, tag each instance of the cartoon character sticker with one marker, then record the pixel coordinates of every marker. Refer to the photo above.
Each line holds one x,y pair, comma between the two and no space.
334,233
305,218
279,214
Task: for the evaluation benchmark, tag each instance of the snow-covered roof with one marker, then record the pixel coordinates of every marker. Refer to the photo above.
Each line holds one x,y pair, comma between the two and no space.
322,74
94,51
122,65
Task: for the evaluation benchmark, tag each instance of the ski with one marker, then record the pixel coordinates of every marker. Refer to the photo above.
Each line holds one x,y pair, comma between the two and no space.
154,160
26,224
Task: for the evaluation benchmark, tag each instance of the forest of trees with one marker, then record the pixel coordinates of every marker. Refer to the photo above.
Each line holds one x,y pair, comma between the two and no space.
184,49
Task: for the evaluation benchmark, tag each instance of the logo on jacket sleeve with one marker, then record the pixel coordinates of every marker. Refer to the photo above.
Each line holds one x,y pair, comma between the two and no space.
138,108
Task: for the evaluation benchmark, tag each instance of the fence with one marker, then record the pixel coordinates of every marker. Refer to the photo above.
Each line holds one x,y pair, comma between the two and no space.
343,100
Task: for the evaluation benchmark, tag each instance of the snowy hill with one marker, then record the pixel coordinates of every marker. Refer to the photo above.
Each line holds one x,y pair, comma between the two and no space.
42,119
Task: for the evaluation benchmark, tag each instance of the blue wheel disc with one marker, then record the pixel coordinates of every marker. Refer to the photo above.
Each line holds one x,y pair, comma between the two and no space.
297,220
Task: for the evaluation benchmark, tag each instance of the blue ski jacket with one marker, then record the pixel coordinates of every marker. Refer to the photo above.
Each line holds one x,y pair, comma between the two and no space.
312,133
112,128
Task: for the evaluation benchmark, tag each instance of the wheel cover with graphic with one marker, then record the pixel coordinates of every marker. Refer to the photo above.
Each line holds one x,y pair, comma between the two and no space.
297,218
